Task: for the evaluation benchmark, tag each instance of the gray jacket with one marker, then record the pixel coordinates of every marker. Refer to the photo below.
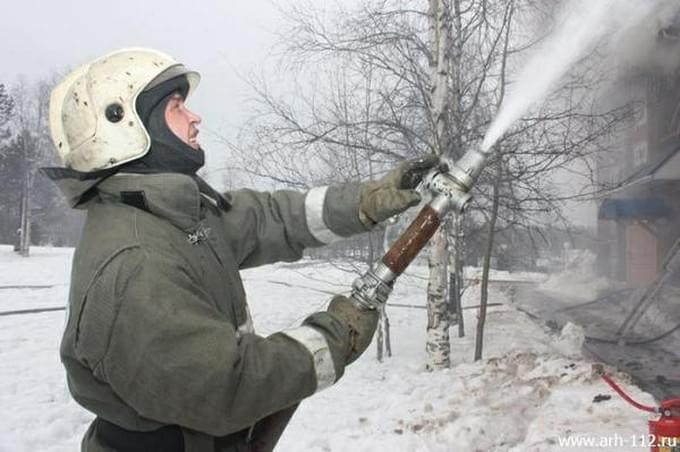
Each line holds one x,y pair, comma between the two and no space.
158,330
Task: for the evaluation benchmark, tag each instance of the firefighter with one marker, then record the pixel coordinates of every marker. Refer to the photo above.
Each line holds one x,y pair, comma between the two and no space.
159,343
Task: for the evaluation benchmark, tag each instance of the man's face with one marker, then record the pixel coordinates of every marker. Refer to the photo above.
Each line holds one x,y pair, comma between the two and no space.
182,121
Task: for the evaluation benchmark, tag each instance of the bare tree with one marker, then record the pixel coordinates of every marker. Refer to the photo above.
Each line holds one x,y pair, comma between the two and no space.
6,112
484,297
437,344
6,115
389,80
29,149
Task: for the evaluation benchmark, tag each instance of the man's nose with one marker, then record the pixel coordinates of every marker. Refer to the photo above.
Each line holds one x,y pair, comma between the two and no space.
195,118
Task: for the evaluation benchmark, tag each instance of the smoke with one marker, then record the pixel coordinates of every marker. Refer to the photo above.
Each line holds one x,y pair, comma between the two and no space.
639,45
628,30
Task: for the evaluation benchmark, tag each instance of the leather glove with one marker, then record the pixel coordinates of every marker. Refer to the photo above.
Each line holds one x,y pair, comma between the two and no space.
394,193
362,325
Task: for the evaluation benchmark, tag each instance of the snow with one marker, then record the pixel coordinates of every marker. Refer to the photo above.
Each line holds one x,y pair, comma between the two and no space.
571,339
530,392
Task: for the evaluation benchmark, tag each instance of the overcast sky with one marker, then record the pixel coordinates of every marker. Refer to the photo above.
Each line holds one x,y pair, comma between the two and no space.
221,39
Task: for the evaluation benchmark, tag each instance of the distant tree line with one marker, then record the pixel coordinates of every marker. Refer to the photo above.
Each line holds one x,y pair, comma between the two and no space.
33,210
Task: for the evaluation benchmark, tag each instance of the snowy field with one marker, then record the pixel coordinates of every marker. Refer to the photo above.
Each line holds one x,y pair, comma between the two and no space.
533,391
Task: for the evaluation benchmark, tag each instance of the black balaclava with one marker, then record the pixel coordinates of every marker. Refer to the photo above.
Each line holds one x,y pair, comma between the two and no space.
168,153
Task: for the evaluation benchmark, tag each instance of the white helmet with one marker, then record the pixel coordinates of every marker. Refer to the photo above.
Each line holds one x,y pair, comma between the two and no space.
93,120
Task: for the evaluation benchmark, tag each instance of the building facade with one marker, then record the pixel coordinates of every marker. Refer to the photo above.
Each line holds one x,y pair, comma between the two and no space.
639,216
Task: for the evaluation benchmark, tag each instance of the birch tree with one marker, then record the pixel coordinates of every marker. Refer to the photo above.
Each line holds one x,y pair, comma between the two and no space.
438,316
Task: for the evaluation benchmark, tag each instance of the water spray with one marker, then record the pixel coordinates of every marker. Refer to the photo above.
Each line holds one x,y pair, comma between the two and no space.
582,26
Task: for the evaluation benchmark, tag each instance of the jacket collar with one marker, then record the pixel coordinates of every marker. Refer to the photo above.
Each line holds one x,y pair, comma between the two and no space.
172,196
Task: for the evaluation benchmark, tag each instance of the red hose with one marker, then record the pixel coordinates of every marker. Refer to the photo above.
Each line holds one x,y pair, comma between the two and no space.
627,398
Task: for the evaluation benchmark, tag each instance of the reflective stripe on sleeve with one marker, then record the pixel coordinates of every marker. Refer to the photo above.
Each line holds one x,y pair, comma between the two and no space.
317,345
314,202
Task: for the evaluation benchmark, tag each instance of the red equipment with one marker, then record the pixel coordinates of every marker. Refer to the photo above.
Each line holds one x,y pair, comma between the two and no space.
664,432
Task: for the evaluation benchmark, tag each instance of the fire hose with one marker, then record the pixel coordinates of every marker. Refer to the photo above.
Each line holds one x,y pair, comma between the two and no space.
626,397
450,193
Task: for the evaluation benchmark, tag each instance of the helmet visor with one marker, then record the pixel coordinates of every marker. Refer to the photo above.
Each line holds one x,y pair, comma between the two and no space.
176,71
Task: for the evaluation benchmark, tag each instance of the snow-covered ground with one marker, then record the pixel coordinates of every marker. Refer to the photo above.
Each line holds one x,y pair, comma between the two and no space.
532,391
601,306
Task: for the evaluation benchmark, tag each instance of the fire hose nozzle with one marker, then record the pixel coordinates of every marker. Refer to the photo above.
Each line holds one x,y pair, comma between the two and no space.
450,192
447,191
450,188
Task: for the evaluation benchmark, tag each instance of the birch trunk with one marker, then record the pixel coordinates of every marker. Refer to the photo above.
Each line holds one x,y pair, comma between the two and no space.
383,342
438,345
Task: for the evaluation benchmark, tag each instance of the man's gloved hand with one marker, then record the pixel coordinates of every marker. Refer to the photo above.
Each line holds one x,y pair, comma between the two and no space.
362,324
394,193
